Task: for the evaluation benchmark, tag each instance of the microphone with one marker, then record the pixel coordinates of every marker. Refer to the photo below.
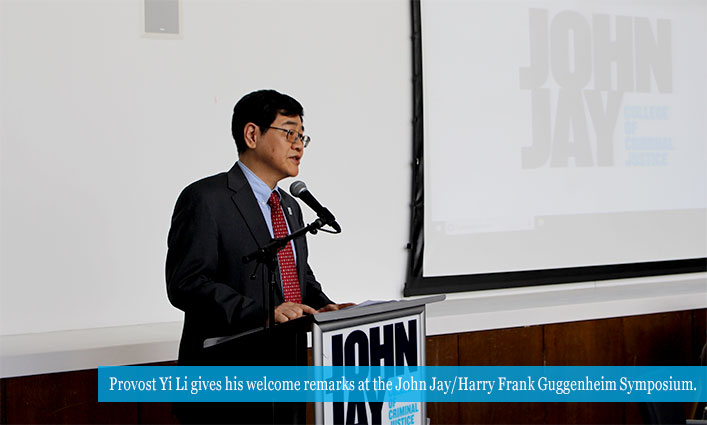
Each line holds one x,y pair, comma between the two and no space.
299,190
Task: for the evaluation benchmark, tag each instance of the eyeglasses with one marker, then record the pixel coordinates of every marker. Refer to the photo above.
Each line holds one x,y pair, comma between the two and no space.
294,136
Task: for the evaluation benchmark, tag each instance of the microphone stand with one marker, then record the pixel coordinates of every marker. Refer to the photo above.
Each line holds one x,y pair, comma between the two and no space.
267,255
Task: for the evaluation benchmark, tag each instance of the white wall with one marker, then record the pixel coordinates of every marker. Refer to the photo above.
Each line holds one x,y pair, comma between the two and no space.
101,128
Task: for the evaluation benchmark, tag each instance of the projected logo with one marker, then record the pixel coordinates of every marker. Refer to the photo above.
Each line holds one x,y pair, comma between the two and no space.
580,70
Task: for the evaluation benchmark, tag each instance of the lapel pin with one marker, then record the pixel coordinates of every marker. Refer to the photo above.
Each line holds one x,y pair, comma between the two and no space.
289,210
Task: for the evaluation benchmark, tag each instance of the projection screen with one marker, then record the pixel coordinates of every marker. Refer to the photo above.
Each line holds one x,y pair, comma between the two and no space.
559,141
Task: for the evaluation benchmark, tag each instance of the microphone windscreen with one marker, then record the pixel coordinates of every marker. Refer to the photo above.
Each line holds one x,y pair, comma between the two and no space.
297,188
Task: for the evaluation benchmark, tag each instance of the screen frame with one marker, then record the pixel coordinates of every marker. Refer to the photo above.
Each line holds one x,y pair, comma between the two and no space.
417,284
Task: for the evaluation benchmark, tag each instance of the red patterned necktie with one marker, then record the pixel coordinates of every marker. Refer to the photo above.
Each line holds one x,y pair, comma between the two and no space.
288,268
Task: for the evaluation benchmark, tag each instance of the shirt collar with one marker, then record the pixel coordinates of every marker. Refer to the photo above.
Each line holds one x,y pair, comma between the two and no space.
260,189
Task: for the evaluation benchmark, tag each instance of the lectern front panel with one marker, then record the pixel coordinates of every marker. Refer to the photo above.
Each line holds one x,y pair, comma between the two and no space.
395,338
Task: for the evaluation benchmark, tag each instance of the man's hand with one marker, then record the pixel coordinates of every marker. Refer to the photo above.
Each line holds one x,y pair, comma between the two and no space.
290,311
334,307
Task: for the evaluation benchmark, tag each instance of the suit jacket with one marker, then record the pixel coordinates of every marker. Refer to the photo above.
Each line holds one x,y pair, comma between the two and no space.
216,222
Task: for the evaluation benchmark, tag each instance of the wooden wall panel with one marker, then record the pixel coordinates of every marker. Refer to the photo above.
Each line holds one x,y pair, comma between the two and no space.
62,398
697,410
3,403
632,413
661,339
699,335
664,339
586,343
156,413
502,347
674,338
699,338
658,339
443,350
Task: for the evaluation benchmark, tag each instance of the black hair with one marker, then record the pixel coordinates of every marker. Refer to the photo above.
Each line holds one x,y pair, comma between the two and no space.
261,108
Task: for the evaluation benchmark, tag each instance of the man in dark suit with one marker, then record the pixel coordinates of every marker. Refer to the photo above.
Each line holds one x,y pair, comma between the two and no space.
220,219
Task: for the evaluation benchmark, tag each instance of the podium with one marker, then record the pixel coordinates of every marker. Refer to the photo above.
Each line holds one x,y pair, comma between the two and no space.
390,333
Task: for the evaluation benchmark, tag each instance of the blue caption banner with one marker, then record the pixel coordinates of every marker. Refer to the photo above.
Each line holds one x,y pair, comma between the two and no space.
402,384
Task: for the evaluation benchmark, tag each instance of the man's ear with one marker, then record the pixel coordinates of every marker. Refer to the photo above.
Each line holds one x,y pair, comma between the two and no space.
251,133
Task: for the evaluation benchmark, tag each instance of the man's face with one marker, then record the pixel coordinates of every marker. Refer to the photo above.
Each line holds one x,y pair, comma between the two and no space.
280,157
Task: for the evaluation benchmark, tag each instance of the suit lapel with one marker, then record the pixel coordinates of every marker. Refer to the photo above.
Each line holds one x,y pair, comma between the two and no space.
247,206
